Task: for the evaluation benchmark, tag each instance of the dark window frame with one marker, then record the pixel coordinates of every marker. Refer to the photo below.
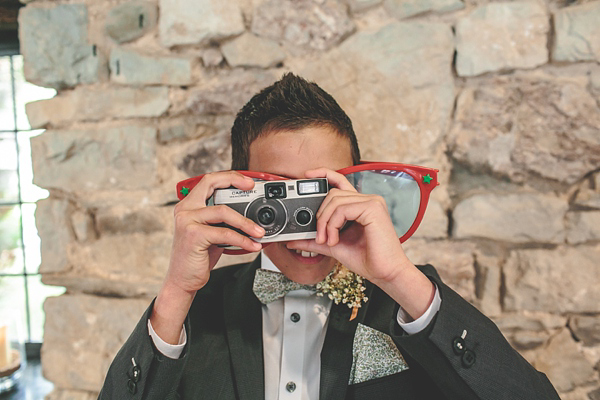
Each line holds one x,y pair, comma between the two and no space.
9,47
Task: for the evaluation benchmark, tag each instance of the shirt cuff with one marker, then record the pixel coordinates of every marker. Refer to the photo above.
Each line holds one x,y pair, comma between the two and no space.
169,350
420,323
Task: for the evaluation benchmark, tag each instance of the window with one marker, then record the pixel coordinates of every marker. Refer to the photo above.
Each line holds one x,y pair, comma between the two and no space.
21,291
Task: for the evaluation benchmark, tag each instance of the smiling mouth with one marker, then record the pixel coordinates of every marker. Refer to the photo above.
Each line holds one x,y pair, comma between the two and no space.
306,257
306,254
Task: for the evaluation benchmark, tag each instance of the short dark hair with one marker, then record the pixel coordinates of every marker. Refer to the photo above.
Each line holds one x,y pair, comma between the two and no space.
289,104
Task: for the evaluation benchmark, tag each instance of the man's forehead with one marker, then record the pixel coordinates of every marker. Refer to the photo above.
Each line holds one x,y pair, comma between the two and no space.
290,153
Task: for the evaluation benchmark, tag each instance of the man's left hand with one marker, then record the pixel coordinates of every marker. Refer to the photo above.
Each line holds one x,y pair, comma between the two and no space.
369,246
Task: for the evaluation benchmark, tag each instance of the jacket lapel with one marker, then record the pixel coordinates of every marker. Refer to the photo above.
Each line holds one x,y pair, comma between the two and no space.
336,356
243,321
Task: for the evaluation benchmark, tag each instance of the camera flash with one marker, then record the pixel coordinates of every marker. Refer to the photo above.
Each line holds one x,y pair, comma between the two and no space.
308,187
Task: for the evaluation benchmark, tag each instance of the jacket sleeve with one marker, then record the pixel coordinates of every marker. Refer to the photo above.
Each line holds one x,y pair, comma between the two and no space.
139,371
467,356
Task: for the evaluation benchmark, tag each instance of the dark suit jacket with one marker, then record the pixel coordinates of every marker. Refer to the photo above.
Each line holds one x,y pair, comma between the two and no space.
224,355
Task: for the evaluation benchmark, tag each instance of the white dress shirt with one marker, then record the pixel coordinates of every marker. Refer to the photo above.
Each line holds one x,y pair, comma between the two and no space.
294,330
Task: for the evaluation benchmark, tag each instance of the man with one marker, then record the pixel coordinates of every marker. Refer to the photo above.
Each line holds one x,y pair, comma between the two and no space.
207,335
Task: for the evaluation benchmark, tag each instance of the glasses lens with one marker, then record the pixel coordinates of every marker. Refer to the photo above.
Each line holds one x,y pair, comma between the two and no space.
399,190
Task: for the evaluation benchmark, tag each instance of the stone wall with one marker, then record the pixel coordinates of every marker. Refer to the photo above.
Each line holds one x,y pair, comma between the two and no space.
502,96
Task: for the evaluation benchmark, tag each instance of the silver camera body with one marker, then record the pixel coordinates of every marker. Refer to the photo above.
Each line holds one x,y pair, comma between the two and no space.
285,209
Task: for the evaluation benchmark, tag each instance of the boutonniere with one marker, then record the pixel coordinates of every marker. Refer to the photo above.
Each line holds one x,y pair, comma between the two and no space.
344,286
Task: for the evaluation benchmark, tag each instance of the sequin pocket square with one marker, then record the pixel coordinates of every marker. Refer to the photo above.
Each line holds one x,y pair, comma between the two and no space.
374,355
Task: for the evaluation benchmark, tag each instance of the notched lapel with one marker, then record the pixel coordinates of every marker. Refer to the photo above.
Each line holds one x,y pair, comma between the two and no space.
336,356
243,320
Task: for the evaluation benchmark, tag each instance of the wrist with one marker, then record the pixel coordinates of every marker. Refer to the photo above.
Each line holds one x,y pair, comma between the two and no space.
410,288
170,310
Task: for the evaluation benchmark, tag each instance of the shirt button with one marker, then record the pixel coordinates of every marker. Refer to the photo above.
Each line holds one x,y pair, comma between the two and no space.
295,317
290,387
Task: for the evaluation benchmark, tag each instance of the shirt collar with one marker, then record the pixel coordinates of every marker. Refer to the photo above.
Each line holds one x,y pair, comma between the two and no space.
266,263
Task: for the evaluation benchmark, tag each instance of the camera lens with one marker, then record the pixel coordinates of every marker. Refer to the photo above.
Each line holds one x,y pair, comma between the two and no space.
266,216
303,217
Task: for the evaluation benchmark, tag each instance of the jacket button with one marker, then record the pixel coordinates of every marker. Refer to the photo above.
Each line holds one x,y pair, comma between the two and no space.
295,317
468,359
132,386
135,374
290,387
458,345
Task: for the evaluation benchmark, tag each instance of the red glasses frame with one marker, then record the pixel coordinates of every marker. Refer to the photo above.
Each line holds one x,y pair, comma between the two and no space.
426,178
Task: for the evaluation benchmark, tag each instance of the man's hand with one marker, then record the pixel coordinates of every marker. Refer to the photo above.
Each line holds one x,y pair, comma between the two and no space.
369,246
195,249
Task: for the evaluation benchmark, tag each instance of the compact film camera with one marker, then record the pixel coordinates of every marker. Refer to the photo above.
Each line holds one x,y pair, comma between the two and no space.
285,209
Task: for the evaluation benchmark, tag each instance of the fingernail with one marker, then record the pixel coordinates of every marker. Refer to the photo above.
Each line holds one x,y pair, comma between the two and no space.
259,229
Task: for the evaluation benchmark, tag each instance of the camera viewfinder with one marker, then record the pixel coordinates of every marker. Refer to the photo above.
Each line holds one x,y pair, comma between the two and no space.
275,190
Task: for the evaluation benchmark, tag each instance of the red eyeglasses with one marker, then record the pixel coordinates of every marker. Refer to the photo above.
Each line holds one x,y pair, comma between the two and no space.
405,189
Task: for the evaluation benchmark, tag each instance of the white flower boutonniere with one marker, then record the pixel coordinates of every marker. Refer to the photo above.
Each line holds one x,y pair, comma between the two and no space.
344,286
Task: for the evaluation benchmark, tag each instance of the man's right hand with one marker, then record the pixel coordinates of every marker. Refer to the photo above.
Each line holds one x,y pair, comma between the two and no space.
195,249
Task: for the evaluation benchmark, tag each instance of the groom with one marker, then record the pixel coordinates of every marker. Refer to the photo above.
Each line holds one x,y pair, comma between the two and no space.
208,336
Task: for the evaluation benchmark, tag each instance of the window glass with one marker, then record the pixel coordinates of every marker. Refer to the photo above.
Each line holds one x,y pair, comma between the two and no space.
9,187
12,303
31,240
7,120
22,293
11,254
26,92
29,191
38,293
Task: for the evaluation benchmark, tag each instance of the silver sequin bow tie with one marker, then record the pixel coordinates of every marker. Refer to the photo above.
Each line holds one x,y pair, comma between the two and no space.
271,285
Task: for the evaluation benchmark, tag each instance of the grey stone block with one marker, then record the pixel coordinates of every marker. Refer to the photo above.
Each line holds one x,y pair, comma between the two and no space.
407,8
249,50
198,22
583,226
83,104
54,44
504,35
586,328
516,218
303,23
528,125
563,363
577,33
130,20
51,215
107,159
557,281
357,6
403,71
128,67
81,337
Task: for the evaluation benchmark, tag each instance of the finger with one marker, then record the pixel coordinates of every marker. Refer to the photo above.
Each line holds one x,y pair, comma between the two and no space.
334,178
342,214
326,213
206,187
225,236
333,193
223,214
